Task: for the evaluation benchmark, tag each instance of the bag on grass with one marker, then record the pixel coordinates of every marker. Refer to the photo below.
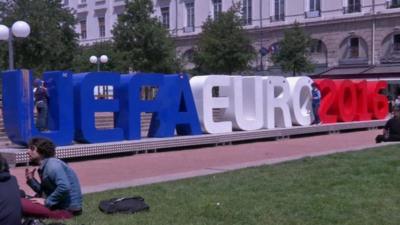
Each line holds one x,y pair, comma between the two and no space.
123,205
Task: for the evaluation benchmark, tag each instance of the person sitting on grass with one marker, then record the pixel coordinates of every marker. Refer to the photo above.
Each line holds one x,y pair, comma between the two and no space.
10,206
391,131
59,192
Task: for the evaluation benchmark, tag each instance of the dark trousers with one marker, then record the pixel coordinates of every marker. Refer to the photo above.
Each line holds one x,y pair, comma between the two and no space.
381,138
315,109
30,209
41,121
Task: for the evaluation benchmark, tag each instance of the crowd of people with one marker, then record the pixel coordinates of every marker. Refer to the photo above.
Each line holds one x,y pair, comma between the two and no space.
57,189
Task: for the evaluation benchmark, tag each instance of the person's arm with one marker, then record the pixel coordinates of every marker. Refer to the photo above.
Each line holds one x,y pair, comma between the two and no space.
32,182
59,177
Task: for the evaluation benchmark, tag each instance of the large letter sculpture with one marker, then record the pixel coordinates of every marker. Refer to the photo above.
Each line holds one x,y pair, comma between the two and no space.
86,106
18,107
276,100
347,100
132,103
245,96
300,100
202,87
178,110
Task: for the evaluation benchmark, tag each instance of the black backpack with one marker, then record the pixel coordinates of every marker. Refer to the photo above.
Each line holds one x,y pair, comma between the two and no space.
123,205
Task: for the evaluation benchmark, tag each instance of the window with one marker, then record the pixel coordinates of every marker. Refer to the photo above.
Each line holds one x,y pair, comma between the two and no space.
316,46
190,14
396,42
246,10
354,47
217,4
82,1
83,29
165,17
102,27
315,5
65,2
354,6
394,4
279,10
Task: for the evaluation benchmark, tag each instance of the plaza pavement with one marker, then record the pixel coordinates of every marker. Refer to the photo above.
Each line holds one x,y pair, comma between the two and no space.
133,170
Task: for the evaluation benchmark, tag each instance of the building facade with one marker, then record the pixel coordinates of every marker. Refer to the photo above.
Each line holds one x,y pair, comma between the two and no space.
344,32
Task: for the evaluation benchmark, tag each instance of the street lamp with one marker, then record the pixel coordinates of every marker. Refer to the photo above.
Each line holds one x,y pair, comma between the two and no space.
97,60
18,29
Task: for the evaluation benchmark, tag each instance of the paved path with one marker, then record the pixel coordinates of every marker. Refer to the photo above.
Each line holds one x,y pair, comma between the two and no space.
127,171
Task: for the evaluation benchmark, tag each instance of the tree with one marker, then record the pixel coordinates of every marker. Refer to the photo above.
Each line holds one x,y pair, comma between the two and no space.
53,40
223,46
144,44
293,52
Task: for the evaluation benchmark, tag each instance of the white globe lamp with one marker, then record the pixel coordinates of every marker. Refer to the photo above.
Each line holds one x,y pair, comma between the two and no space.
21,29
4,33
103,59
93,59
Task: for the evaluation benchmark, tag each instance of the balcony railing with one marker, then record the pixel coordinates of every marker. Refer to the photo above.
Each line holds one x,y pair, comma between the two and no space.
188,29
353,61
352,8
312,14
277,17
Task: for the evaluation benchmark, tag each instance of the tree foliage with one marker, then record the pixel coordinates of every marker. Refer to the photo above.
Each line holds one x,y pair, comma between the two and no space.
52,42
144,44
293,53
223,46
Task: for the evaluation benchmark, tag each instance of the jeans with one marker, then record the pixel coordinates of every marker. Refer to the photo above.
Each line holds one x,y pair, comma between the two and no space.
41,120
315,109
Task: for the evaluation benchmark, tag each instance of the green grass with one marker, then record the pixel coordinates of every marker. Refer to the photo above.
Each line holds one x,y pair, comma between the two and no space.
350,188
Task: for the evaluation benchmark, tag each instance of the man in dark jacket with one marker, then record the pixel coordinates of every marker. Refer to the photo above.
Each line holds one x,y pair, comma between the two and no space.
10,204
391,131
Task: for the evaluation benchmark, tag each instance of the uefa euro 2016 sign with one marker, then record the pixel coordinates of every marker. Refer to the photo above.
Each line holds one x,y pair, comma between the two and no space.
180,106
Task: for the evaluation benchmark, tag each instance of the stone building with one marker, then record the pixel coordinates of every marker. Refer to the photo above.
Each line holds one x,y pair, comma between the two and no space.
346,33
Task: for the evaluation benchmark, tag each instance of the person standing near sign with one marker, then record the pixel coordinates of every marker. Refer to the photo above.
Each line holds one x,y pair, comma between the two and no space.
41,104
316,100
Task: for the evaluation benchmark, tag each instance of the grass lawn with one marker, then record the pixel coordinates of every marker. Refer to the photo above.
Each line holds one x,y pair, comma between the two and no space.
350,188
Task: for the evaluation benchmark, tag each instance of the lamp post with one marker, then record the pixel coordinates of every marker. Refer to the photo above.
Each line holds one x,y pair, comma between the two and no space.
97,60
18,29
